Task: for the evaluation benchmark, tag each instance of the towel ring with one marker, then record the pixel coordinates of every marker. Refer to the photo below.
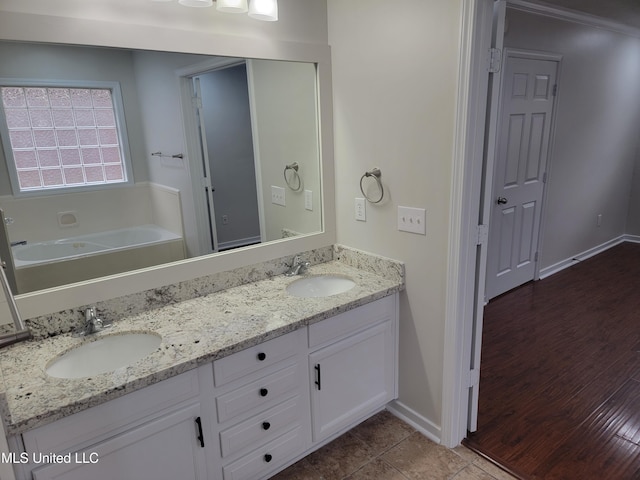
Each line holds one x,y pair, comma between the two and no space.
376,174
294,168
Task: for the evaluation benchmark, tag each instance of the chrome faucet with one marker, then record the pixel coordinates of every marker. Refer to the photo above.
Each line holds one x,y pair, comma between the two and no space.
92,323
297,267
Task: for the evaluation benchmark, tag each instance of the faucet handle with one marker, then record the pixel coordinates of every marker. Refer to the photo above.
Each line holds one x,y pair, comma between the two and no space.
104,323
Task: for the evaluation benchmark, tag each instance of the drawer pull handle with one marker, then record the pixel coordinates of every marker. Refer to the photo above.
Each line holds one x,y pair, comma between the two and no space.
266,425
200,437
268,458
263,392
262,356
318,381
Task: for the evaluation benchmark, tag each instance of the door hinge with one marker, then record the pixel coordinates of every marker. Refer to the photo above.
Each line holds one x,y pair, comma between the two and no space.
544,177
555,90
474,377
482,234
196,102
495,60
535,257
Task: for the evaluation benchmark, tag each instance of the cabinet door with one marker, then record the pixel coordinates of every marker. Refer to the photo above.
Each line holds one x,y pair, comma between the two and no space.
166,448
351,379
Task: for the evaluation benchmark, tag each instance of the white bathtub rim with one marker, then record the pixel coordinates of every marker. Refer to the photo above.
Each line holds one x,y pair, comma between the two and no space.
164,236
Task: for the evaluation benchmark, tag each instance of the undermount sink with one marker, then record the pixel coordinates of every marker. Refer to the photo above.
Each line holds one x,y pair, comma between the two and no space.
320,286
103,355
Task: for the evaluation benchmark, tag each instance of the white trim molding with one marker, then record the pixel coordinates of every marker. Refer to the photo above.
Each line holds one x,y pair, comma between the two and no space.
417,421
631,238
473,76
592,252
553,11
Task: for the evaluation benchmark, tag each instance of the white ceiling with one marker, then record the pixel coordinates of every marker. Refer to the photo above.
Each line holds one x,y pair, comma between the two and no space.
626,12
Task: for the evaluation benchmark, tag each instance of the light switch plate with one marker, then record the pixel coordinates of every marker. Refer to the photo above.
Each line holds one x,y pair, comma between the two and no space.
412,220
308,200
277,196
361,210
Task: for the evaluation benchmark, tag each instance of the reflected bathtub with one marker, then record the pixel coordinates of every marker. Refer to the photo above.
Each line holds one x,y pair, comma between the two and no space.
74,259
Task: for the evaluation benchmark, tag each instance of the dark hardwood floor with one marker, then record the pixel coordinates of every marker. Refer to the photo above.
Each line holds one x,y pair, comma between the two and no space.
560,373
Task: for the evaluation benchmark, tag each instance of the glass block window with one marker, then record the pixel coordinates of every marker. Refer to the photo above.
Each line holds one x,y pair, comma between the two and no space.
62,137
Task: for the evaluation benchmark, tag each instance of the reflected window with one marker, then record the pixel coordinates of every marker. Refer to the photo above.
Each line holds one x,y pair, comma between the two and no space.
63,136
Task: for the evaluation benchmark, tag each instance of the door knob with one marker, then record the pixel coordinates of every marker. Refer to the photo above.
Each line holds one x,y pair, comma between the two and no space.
501,201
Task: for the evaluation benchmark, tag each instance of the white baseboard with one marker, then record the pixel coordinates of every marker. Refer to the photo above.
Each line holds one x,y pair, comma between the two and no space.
631,238
556,267
417,421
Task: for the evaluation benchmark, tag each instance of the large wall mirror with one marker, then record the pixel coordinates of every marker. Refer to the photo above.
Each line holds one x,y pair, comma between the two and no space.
223,153
226,153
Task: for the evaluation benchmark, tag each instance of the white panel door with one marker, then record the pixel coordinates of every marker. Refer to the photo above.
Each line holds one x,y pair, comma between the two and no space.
524,128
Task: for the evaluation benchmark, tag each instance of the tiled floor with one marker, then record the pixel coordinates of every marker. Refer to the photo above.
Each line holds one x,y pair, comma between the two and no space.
385,448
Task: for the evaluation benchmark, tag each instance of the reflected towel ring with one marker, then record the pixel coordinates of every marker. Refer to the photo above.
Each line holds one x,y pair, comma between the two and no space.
294,168
375,173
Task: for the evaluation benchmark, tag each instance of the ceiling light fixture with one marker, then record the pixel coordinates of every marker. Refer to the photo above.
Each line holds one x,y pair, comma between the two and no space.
265,10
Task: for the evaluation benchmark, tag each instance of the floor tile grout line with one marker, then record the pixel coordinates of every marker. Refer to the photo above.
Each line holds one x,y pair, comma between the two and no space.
371,461
386,449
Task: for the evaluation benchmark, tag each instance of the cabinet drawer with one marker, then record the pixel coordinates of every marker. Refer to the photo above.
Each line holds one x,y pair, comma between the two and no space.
260,462
352,321
255,358
263,391
263,427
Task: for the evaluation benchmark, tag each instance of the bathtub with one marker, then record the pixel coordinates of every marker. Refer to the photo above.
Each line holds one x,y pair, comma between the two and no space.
57,262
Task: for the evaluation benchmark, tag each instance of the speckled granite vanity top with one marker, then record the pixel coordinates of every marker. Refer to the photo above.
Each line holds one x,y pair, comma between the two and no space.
194,332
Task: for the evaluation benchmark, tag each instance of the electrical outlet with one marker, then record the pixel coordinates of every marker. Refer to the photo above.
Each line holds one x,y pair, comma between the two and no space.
361,211
277,196
225,219
308,200
412,220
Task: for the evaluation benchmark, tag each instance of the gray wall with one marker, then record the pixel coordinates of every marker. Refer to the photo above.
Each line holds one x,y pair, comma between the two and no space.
596,133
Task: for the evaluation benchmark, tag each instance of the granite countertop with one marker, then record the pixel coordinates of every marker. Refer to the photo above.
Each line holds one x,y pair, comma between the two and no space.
194,332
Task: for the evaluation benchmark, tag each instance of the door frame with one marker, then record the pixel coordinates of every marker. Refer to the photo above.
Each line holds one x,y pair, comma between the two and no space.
491,170
194,148
465,270
465,274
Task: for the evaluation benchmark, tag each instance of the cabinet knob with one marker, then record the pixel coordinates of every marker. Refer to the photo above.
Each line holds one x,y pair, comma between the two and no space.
262,356
263,392
266,425
268,457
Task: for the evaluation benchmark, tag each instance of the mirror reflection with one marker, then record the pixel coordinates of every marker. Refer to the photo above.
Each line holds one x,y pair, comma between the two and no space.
115,160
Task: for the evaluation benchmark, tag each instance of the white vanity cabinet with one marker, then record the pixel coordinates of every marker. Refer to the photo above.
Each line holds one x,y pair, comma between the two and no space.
261,407
149,434
352,365
243,417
